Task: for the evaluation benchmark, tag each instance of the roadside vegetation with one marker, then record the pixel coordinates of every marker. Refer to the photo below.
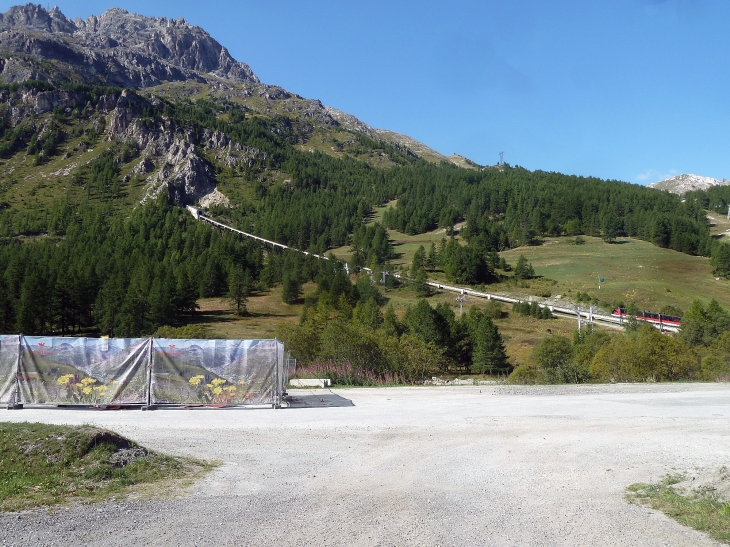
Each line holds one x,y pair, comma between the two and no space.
44,464
344,331
702,510
700,351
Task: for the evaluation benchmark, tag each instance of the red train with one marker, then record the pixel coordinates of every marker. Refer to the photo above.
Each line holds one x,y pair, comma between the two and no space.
649,317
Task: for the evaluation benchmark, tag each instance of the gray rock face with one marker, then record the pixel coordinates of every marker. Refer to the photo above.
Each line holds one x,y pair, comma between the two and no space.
35,18
350,122
685,182
116,48
170,156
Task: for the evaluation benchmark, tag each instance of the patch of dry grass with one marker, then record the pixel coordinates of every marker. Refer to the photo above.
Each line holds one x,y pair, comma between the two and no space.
266,312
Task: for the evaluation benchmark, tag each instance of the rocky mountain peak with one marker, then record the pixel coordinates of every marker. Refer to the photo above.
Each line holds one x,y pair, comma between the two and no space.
116,47
35,18
686,182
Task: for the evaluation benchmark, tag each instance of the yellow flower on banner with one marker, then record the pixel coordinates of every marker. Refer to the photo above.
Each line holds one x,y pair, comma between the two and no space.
65,379
218,382
100,389
241,383
230,389
88,381
86,390
195,380
217,390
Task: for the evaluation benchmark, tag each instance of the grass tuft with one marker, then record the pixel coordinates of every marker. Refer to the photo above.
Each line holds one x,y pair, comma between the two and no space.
44,464
701,510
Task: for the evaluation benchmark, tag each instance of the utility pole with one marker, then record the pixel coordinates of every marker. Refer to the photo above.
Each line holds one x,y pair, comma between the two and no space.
593,309
577,312
460,299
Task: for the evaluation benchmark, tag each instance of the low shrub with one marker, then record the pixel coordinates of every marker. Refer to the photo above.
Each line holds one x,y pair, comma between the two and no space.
342,372
567,373
715,368
493,310
523,374
646,356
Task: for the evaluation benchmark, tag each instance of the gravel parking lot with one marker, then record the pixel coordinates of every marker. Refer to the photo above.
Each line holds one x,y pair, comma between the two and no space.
490,465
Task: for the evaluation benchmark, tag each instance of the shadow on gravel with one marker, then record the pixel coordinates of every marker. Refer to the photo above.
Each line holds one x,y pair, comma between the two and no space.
317,400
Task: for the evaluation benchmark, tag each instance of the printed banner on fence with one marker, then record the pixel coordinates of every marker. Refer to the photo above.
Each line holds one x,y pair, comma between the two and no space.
83,371
9,348
216,371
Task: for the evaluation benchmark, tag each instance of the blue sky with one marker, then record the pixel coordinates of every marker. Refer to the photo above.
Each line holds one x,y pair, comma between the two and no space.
635,90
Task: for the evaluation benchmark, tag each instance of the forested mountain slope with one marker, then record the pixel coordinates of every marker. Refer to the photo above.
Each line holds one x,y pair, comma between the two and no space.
91,174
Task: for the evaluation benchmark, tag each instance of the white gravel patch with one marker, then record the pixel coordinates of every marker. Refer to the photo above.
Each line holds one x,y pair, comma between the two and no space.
489,465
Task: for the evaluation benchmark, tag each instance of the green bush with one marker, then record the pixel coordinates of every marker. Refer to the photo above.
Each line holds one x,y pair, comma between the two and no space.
493,309
523,374
532,309
524,269
552,352
646,356
586,344
715,368
567,373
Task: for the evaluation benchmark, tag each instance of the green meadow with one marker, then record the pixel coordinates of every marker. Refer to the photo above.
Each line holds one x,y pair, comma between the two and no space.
633,270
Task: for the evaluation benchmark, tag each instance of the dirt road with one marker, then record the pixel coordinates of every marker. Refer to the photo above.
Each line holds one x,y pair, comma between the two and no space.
409,466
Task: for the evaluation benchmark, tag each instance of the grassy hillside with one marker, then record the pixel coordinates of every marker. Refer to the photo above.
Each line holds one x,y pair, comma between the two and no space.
266,313
294,176
633,270
720,225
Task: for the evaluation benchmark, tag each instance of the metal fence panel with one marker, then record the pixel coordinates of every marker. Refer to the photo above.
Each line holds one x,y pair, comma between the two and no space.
9,348
226,372
110,371
84,371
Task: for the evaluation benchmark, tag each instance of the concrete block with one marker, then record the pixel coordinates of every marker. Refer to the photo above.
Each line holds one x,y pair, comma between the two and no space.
310,382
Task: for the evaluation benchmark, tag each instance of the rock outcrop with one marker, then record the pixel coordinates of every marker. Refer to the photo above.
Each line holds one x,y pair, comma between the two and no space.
686,182
115,48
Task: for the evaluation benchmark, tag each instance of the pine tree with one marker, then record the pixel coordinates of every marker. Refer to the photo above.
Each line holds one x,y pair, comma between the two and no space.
612,228
368,314
62,302
489,354
238,288
28,311
419,261
291,290
391,325
420,284
432,259
186,293
524,270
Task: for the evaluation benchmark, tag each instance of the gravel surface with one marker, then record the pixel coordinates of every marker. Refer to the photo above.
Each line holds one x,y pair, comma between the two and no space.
490,465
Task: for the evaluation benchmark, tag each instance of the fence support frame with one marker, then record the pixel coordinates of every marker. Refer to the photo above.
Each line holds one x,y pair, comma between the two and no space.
15,403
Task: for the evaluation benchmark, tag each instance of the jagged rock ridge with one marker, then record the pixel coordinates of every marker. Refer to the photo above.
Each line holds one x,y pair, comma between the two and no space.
128,50
354,124
687,182
116,48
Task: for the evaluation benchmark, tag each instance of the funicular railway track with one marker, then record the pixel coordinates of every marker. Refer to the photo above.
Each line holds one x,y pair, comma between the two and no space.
616,320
